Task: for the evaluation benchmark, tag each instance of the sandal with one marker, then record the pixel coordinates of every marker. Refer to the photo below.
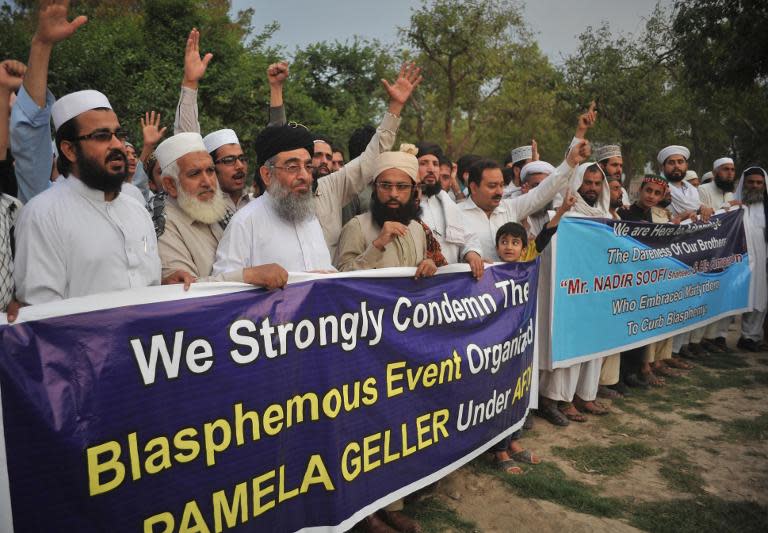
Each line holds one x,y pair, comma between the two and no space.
553,415
525,456
653,380
676,362
608,393
668,372
508,466
593,408
572,414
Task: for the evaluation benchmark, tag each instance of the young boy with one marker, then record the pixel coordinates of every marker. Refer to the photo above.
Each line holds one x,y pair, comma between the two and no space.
512,245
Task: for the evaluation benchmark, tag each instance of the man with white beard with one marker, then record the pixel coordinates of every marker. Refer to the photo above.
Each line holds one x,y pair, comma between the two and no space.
280,226
196,213
751,191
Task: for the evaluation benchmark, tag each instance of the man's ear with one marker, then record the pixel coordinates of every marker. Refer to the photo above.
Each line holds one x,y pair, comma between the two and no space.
169,184
265,174
67,149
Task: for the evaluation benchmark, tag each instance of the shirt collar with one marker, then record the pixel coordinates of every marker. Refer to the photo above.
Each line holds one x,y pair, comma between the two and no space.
94,195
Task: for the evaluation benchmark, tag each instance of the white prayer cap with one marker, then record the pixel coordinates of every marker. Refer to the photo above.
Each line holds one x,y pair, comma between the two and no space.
707,177
73,104
404,159
535,167
521,153
673,150
605,152
217,139
179,145
720,162
691,175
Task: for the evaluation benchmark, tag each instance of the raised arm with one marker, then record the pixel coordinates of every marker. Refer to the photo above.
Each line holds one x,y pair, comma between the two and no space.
352,178
540,196
11,77
194,70
277,73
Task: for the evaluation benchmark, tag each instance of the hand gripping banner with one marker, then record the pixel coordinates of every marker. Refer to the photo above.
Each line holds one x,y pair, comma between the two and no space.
617,285
298,409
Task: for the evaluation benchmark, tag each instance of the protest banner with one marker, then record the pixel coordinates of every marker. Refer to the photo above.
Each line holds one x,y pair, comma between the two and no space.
298,409
618,285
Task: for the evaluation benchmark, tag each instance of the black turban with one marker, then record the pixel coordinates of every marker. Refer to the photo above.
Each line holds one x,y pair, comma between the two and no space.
275,139
428,148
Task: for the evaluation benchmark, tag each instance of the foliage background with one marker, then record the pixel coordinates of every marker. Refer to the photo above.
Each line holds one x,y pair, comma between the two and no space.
697,75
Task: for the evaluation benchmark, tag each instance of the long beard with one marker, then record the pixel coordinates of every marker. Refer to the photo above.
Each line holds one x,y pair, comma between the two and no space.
207,212
432,190
97,176
725,185
402,214
752,197
289,206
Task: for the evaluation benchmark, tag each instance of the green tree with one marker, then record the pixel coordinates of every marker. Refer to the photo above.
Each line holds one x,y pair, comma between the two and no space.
467,51
637,102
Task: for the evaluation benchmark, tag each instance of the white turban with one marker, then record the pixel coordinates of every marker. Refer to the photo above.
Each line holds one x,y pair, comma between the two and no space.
720,162
217,139
521,153
404,160
673,150
69,106
177,146
536,167
691,175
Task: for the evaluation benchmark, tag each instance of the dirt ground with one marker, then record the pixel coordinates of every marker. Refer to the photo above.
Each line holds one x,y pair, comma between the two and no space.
706,440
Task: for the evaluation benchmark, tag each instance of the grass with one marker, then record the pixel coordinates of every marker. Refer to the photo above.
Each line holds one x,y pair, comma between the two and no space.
723,361
605,460
681,474
746,429
616,426
434,515
700,515
698,417
629,408
546,481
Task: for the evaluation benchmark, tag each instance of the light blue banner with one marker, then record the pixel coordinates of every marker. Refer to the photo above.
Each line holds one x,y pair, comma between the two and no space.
618,285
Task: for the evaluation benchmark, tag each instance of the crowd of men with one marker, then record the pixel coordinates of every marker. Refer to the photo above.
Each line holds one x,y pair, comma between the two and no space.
92,213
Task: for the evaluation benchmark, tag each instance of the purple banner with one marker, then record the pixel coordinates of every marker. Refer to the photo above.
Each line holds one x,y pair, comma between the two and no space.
306,407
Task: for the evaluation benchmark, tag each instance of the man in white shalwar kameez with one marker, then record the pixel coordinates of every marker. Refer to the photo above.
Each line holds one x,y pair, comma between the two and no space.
83,236
577,383
751,191
718,194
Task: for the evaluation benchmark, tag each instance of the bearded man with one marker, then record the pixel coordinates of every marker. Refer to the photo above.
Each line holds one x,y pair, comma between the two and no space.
390,234
718,193
751,191
83,236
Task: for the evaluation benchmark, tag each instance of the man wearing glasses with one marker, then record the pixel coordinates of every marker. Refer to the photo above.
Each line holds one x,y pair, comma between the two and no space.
280,226
389,235
231,166
82,236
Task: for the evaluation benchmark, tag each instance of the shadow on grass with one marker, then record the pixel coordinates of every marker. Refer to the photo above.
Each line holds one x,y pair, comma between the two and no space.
681,474
746,429
700,515
546,481
434,515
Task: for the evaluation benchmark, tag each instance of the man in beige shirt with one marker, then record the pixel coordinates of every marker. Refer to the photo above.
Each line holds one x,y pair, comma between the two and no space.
196,213
389,234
